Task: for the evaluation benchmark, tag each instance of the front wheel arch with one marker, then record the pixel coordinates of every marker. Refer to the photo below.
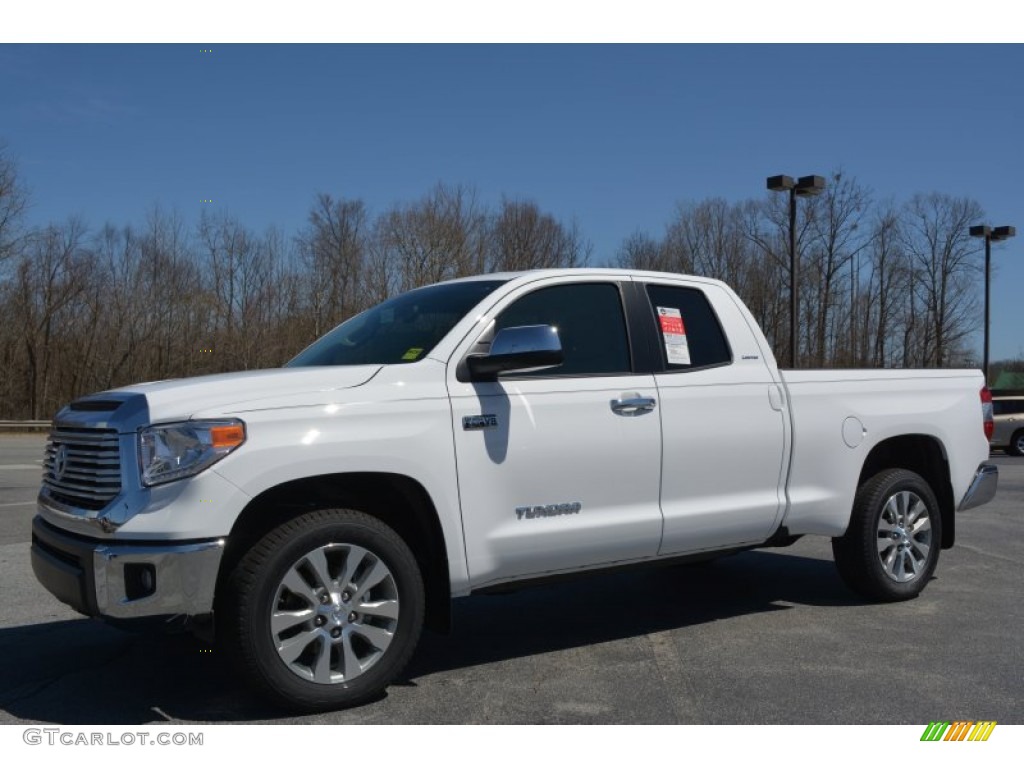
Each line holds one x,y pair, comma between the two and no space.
399,501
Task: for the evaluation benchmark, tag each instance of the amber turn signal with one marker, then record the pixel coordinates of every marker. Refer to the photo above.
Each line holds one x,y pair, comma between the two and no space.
229,436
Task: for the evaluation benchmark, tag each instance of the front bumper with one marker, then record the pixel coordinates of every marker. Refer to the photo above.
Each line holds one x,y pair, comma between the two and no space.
982,489
126,581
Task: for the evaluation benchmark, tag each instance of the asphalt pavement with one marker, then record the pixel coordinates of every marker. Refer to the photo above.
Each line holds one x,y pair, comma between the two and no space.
769,636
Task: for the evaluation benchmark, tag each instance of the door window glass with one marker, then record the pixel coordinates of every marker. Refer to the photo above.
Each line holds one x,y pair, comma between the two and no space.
689,335
590,324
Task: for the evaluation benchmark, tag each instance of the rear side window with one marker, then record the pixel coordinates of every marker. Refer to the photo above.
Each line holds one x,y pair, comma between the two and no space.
689,334
590,324
1007,407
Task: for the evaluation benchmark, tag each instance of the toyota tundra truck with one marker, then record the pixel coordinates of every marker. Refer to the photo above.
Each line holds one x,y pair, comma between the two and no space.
483,432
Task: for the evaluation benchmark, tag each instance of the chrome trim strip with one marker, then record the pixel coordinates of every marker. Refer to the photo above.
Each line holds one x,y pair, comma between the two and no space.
983,487
92,522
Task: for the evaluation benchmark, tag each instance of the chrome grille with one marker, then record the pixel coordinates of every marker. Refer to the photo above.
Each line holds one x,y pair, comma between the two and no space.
89,475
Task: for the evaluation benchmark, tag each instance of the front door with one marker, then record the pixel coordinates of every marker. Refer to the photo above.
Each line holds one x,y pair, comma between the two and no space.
554,473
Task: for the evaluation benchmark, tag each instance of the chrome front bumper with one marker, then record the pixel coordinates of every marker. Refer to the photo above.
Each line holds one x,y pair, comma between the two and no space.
983,487
126,581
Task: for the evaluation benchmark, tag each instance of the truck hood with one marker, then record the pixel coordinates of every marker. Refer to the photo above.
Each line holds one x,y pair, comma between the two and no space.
175,399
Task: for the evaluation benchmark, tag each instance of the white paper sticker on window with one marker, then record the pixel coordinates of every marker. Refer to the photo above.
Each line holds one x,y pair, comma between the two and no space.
677,349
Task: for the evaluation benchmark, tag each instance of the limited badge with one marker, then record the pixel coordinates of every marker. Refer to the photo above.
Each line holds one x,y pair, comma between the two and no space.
483,421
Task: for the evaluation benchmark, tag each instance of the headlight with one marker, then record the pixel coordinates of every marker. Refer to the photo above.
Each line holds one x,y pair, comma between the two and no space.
172,451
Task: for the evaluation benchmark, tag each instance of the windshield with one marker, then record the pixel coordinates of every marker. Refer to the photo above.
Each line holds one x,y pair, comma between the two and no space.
401,330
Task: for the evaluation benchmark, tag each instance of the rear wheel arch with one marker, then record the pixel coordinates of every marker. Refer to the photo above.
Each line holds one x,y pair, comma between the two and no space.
889,551
924,455
401,502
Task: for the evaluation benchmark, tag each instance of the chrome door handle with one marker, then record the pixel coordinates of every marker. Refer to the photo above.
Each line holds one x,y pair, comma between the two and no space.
633,405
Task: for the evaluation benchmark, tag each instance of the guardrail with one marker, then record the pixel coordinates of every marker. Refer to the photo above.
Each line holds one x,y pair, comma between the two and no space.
17,426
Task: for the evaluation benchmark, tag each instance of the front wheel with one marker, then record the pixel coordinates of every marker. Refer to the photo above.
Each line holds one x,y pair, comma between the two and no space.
891,547
324,611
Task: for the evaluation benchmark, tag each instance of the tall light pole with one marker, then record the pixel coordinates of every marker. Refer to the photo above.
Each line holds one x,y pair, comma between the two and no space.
990,234
805,186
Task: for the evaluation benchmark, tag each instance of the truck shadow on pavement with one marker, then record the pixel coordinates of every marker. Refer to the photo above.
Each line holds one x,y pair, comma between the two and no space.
82,671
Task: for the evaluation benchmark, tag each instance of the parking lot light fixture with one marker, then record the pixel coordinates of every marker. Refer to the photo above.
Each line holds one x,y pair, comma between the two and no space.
991,234
805,186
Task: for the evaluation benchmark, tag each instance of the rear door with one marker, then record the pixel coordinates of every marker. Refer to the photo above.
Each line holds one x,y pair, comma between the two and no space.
722,419
554,474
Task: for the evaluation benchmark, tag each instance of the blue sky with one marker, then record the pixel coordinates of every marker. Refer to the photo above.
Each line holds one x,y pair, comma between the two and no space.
613,135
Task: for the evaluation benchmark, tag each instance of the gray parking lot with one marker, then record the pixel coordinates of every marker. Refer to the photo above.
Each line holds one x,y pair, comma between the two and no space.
769,636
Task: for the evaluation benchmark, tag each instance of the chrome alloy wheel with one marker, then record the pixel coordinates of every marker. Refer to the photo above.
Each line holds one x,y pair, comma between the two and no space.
334,613
904,536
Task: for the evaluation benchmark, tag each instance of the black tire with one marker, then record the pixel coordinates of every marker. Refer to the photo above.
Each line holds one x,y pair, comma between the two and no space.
892,573
1016,446
353,548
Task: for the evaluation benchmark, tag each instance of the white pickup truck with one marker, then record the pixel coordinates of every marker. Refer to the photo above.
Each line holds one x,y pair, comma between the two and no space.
481,432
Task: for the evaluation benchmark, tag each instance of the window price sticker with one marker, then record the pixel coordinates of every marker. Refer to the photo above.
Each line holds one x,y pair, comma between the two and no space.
677,349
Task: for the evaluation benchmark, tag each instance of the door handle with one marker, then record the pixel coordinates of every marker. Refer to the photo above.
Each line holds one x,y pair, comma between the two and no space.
633,405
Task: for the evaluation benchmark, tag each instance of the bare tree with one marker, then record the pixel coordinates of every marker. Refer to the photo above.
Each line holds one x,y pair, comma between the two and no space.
120,265
888,288
836,240
383,269
13,203
241,269
333,249
945,271
641,251
48,278
174,316
440,237
522,237
282,303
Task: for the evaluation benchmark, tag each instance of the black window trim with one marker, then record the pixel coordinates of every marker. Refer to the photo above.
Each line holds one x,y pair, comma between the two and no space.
653,333
642,329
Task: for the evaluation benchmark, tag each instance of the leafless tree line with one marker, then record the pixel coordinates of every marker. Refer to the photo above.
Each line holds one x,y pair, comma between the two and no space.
881,284
92,309
88,310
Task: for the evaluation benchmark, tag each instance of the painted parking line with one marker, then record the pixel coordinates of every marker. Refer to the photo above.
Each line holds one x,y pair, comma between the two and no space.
19,504
21,466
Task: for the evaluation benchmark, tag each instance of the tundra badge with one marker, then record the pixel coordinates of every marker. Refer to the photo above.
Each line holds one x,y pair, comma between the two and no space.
549,510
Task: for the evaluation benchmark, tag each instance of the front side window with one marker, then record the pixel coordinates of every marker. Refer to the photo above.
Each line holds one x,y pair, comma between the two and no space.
689,335
590,323
401,330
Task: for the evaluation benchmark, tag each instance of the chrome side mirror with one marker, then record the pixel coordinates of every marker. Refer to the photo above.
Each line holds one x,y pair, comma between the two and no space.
522,348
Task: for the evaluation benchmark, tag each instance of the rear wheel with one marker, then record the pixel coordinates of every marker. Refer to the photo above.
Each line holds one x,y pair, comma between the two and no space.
1016,446
324,611
891,547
